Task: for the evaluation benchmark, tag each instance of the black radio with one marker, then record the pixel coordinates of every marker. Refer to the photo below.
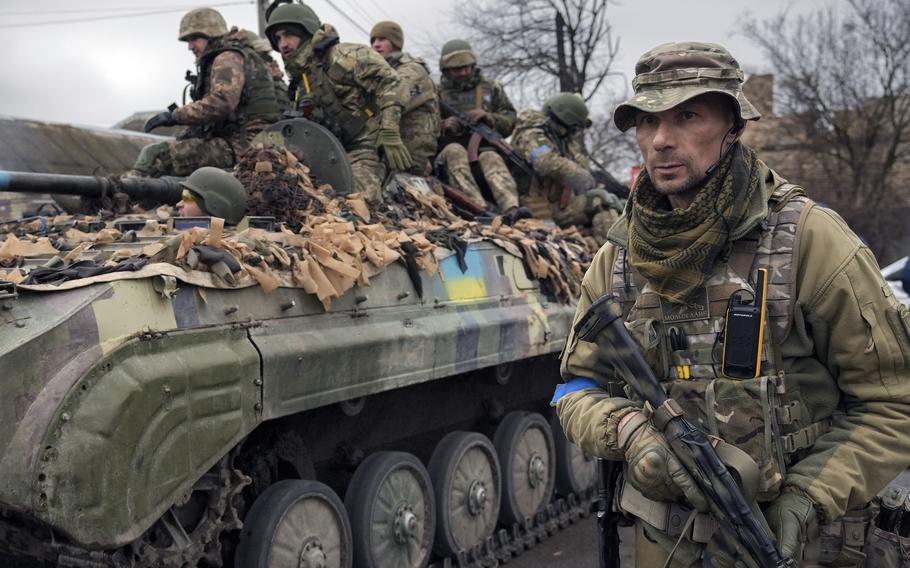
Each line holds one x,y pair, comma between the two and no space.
744,331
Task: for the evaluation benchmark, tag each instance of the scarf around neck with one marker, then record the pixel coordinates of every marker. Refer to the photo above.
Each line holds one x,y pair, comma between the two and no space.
675,249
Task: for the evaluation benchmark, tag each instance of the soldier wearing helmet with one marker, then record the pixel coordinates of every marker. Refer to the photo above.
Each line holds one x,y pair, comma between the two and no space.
420,116
233,99
464,87
562,187
348,88
213,192
820,397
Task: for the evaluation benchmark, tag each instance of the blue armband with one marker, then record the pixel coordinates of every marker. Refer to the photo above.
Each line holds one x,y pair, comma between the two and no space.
538,152
576,384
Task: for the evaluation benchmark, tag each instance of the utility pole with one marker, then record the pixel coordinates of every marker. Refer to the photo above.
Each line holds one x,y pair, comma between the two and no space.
566,84
261,6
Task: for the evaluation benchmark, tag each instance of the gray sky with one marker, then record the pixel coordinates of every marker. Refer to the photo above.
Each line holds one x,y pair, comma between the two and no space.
97,72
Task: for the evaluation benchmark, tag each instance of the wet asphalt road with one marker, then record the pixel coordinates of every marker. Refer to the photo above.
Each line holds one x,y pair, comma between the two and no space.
575,547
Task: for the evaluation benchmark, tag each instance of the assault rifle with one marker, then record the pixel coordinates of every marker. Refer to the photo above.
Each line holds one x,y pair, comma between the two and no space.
602,324
482,131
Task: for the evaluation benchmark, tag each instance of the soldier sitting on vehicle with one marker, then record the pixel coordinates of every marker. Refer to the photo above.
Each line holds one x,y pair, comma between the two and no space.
348,88
211,192
233,99
420,117
562,187
464,88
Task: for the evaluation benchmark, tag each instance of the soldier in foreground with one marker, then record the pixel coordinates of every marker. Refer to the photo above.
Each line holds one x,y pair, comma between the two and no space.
234,98
464,87
348,88
420,116
822,398
211,192
562,186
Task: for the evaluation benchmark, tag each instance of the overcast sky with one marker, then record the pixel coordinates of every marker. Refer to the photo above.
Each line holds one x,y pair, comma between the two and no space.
100,71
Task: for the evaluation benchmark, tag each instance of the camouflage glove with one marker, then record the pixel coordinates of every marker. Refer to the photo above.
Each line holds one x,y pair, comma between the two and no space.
793,521
652,467
163,118
396,155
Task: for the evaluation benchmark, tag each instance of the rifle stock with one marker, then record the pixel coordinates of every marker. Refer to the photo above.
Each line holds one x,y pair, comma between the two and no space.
602,324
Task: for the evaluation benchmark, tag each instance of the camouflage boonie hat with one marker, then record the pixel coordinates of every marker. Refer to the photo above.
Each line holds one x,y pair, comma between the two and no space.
673,73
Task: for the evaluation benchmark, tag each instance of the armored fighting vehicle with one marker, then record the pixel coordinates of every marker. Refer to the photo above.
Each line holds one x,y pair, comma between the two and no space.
157,415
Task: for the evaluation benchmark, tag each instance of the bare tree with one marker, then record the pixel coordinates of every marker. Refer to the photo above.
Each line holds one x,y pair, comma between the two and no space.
844,81
551,45
541,47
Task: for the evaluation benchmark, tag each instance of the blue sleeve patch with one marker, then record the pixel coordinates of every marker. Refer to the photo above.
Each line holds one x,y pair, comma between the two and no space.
539,151
576,384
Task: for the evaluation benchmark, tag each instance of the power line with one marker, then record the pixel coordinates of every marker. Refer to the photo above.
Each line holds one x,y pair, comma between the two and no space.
361,11
118,16
347,17
381,9
91,10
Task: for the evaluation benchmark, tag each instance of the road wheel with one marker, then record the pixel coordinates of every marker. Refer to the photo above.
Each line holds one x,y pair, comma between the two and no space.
468,487
575,470
295,523
392,510
524,444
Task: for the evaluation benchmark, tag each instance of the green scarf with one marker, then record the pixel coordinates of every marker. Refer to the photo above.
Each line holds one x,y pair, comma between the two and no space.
675,250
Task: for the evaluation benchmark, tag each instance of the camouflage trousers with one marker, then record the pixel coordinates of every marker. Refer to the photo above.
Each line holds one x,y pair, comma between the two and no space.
368,173
454,164
183,157
421,144
574,213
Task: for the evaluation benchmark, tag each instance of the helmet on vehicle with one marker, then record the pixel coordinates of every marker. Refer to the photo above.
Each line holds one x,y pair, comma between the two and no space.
569,109
457,53
298,17
204,22
218,192
673,73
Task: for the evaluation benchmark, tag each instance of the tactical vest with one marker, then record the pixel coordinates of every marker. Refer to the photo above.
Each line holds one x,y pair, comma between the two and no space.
257,100
481,96
684,344
317,89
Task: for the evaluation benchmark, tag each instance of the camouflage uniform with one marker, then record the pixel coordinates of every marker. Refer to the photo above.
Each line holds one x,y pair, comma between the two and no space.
420,117
351,90
489,95
822,421
234,99
561,168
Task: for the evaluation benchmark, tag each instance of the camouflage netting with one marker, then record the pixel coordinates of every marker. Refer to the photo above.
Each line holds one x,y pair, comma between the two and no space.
326,245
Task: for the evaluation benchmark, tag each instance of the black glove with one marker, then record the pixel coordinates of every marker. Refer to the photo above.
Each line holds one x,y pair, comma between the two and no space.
163,118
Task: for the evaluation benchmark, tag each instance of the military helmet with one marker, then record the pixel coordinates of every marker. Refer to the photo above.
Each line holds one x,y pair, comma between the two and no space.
257,43
202,22
220,193
299,15
391,31
457,53
673,73
569,109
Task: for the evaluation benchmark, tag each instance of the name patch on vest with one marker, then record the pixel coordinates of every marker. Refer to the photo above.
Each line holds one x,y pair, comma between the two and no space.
696,309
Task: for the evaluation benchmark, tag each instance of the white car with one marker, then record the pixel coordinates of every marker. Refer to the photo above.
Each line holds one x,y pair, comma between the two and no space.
892,271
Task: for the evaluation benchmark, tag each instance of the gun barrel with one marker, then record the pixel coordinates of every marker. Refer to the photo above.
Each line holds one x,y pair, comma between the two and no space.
164,190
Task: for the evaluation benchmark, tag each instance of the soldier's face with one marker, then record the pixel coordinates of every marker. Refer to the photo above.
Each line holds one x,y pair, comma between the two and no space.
197,45
679,144
287,42
460,73
382,46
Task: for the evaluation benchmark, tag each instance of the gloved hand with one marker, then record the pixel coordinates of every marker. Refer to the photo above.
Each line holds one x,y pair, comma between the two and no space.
452,125
163,118
475,115
653,468
396,155
793,521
